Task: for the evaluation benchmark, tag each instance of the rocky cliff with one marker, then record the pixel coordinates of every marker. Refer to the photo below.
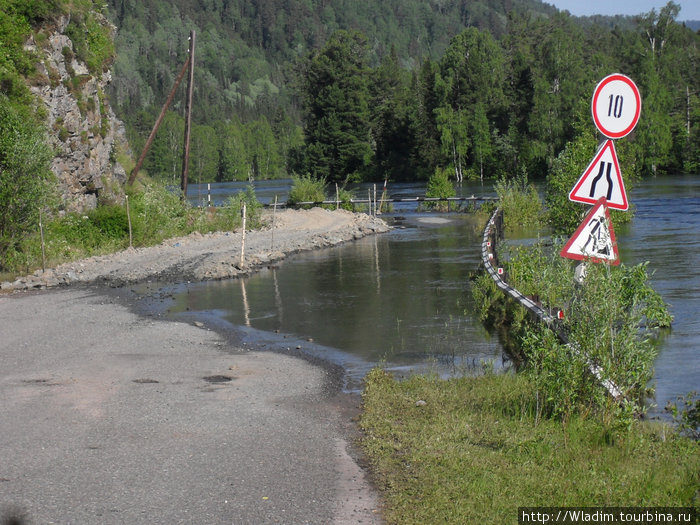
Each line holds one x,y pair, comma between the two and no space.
82,126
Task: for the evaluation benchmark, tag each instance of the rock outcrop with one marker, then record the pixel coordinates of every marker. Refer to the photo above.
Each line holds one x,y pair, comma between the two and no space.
82,126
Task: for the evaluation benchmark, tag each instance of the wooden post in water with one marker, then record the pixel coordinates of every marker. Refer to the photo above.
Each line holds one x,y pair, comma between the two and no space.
381,202
375,200
188,119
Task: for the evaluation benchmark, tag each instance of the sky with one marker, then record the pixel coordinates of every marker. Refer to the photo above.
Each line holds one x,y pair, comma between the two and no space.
690,9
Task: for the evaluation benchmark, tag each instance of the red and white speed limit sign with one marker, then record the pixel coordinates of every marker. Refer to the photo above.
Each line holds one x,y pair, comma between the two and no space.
616,106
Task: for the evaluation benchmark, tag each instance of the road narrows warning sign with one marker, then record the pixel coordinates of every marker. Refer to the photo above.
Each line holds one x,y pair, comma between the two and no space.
602,178
594,240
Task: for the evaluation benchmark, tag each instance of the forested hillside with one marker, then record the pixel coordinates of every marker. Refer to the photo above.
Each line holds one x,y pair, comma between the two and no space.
396,89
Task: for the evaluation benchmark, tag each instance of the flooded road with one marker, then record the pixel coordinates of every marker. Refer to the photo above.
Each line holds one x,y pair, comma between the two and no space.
400,298
404,299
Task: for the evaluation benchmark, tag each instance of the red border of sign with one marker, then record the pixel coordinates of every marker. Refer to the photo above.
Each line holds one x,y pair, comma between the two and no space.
579,257
596,93
624,206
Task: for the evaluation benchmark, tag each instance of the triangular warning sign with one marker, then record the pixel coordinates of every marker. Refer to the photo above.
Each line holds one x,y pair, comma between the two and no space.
602,178
594,240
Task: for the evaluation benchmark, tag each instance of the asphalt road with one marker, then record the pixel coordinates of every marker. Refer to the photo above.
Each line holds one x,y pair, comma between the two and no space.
110,417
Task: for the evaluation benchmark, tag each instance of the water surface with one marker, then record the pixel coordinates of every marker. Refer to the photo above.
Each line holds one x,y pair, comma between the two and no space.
404,299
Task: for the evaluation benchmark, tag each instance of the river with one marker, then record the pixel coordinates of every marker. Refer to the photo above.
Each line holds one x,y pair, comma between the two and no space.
403,298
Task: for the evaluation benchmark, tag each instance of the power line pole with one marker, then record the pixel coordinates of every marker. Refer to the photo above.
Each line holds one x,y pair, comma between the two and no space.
188,119
169,100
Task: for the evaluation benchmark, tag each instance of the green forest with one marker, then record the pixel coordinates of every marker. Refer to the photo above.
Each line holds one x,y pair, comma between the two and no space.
356,91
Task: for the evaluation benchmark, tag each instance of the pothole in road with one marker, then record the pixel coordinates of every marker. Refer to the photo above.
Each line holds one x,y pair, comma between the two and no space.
40,381
217,379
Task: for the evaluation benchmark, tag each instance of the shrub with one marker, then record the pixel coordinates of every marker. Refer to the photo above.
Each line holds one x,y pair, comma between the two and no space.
231,212
519,201
156,214
565,215
609,319
111,221
306,188
27,184
439,186
91,41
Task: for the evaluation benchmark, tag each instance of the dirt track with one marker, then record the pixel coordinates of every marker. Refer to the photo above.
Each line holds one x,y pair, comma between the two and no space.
212,256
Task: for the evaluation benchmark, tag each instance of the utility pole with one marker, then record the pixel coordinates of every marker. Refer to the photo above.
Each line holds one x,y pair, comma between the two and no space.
169,100
188,119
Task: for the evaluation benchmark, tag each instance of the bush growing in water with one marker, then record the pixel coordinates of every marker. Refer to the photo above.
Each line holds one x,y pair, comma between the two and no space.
564,215
609,319
306,188
440,186
519,201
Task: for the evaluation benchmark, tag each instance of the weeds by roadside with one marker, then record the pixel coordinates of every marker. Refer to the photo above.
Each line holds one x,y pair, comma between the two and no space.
156,212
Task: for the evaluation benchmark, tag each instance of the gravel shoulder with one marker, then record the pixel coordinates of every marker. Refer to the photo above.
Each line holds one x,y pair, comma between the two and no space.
112,417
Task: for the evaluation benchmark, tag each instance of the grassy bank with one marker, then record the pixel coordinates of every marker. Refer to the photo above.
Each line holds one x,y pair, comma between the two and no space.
475,452
155,213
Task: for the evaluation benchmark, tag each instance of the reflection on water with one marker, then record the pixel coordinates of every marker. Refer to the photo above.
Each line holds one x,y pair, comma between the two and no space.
402,298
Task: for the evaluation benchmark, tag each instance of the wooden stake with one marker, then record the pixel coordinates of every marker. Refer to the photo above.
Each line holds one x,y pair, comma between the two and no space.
375,200
381,201
43,248
274,211
128,219
243,215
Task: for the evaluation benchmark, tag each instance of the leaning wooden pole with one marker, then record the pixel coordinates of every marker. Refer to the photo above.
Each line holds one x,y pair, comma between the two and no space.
180,76
188,119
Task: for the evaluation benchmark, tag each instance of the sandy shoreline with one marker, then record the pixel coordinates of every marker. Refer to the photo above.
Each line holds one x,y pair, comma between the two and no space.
112,417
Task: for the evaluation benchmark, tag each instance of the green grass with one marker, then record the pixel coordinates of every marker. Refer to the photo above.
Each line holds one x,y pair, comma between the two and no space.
474,453
156,214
